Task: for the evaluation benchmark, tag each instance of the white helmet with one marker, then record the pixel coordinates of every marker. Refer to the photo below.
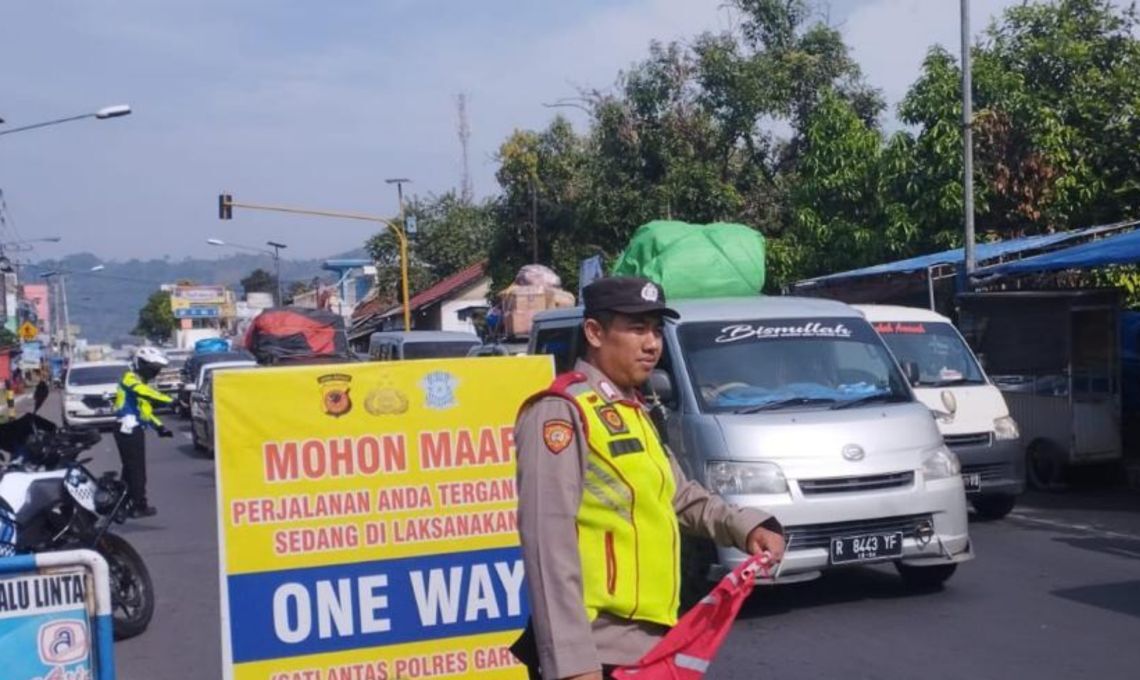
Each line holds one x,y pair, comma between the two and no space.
149,361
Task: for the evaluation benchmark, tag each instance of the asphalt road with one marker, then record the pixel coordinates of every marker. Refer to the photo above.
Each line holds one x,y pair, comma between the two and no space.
1054,593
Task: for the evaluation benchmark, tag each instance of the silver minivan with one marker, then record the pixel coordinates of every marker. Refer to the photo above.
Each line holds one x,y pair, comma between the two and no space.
797,407
399,345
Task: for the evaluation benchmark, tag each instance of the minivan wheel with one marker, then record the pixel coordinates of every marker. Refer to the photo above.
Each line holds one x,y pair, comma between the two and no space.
697,555
993,506
925,578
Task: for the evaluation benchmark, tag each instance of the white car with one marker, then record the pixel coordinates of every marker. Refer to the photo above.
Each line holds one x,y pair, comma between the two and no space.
89,392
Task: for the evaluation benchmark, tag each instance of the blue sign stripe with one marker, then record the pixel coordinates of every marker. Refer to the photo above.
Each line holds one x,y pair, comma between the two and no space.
295,612
17,563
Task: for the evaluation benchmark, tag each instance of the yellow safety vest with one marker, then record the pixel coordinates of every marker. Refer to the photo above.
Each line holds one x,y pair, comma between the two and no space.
628,537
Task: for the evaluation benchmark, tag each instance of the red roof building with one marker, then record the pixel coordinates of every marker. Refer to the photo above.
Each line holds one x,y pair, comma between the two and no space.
446,305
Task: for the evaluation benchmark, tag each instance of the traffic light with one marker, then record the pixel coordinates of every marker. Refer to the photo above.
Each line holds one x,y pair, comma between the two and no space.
225,207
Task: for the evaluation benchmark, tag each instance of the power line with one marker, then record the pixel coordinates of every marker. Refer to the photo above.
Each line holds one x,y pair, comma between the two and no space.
7,221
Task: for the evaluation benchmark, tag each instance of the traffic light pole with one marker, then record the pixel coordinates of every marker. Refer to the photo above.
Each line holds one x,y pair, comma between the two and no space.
226,204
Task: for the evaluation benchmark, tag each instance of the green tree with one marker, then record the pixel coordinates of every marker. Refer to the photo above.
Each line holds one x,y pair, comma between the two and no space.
685,134
156,318
450,235
259,281
1056,89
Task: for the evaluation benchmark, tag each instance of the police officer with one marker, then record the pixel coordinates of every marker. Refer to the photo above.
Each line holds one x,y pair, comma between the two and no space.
603,570
134,410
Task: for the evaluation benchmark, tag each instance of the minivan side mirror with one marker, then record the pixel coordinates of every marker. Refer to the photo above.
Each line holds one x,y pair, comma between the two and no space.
661,385
912,372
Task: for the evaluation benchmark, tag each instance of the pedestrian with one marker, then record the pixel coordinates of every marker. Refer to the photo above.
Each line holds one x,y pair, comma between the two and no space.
134,410
603,571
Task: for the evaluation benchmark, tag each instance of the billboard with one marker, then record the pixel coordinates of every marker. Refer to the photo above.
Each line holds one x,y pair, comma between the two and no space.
367,518
197,302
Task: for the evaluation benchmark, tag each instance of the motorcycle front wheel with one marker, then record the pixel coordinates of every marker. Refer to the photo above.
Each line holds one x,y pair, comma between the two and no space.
132,592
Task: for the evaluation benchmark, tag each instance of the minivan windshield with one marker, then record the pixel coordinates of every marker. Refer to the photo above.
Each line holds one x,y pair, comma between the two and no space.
750,366
437,350
85,376
936,348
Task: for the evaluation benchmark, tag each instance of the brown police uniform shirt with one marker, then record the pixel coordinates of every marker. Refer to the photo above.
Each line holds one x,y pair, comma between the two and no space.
550,491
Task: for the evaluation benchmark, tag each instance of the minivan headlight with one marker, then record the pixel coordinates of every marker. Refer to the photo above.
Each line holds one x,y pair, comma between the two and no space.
941,463
1005,428
739,478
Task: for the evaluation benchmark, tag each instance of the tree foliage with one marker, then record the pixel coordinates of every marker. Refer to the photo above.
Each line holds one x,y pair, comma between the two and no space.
259,281
156,320
450,235
772,124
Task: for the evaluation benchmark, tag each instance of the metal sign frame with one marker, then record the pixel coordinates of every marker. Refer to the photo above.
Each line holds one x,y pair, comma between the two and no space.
99,621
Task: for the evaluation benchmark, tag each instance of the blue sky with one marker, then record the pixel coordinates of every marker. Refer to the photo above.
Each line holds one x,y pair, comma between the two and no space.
315,103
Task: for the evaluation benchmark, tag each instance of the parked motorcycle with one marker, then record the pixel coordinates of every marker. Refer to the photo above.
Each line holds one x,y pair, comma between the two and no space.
49,500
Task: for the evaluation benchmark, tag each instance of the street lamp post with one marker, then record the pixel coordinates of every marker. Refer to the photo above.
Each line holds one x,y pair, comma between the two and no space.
226,204
967,149
275,254
59,276
61,287
102,114
277,267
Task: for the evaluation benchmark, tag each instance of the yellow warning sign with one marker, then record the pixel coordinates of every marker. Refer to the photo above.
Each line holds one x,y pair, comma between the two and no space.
28,331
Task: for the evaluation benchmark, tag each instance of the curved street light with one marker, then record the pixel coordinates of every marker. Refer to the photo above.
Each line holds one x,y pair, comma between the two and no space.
275,254
102,114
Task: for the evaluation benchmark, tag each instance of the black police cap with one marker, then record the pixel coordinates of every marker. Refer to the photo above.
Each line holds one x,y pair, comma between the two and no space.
625,295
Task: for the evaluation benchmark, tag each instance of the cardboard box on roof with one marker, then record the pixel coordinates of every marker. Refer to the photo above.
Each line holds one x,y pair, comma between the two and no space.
523,298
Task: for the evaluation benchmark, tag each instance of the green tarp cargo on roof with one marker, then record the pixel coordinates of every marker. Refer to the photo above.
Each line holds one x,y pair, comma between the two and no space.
696,260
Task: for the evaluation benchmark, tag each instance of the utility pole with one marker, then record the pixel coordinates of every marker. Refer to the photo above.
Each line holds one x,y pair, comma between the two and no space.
277,267
66,317
968,146
533,221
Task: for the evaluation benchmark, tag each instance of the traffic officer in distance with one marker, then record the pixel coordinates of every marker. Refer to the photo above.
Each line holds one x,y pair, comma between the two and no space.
134,409
602,501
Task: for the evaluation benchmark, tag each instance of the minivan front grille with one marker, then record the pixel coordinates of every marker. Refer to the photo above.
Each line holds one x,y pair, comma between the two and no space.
819,535
853,484
989,470
974,439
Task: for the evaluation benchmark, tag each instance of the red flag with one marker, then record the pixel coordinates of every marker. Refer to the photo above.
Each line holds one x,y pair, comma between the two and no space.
687,650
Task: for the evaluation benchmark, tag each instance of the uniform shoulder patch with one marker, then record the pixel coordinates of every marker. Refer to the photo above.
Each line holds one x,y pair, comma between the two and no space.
557,434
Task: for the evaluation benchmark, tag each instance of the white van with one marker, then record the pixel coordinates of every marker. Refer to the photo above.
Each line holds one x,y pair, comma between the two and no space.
970,410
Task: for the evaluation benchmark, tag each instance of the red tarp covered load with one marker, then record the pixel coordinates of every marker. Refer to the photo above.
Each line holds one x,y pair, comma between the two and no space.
288,334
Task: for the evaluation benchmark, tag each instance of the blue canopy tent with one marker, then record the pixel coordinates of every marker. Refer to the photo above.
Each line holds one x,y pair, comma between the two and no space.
1111,250
983,252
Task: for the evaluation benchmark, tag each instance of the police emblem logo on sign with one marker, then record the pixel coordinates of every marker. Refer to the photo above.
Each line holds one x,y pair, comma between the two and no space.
439,390
612,419
649,293
557,435
334,394
385,401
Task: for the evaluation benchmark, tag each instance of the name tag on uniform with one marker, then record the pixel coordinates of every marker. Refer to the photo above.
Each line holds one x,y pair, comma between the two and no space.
621,447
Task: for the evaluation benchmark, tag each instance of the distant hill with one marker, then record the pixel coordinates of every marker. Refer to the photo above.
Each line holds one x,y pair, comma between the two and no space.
105,304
